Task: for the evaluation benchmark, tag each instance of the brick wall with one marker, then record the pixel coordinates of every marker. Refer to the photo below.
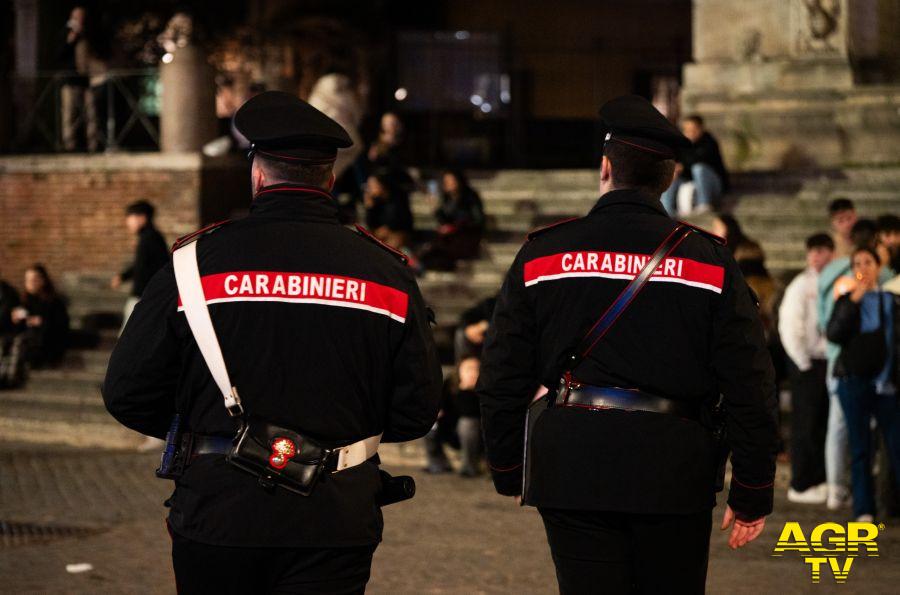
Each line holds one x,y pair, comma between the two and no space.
66,211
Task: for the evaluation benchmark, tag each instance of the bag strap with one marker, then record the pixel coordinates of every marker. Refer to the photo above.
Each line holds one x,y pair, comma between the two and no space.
634,287
193,300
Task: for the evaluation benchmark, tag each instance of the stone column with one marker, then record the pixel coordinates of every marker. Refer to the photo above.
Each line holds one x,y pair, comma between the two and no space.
188,111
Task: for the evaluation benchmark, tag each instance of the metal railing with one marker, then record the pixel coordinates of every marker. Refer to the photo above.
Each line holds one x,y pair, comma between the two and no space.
126,104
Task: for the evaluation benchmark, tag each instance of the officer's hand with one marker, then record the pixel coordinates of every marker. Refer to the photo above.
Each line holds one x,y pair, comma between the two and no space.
744,531
115,282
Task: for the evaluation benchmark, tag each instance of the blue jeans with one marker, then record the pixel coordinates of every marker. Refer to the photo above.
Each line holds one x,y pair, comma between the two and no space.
860,403
707,188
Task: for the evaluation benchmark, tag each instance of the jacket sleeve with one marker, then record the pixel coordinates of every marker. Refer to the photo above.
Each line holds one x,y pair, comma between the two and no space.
792,316
508,381
746,379
141,380
844,323
417,386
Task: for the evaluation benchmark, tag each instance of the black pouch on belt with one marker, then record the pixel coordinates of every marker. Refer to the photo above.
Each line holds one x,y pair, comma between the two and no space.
279,456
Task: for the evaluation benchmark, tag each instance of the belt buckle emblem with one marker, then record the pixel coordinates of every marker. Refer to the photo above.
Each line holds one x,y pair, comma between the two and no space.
283,450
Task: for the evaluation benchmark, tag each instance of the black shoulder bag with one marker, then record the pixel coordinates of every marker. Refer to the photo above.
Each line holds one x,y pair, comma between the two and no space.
590,340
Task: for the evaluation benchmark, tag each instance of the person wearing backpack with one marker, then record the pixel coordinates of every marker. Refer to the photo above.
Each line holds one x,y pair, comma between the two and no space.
862,323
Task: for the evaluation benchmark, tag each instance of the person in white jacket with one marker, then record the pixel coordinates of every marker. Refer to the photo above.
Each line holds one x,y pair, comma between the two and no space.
804,343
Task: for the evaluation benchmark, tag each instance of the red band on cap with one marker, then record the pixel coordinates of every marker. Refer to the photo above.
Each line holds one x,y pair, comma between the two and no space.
669,155
321,161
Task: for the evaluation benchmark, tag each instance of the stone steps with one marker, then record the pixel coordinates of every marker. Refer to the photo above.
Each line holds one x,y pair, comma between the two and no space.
780,211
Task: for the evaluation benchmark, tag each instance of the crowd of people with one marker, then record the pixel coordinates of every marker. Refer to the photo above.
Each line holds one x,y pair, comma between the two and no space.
837,324
832,331
379,180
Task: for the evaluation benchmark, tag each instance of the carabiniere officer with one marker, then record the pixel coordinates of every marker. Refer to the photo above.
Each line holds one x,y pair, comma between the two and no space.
323,331
623,466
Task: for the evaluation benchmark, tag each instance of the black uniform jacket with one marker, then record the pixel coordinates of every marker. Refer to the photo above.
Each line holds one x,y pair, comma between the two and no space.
691,334
150,255
322,330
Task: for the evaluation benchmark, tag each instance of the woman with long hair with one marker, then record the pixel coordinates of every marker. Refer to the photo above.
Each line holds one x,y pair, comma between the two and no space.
43,319
460,217
863,324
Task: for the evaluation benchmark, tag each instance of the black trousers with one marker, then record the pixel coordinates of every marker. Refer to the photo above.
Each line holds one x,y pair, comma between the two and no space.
618,553
809,424
217,570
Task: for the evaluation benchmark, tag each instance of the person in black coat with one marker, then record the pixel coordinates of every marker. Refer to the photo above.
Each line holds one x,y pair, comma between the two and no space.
388,214
863,323
614,484
9,301
701,163
150,255
460,217
43,319
323,331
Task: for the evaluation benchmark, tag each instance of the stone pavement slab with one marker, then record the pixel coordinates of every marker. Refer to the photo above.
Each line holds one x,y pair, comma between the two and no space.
456,536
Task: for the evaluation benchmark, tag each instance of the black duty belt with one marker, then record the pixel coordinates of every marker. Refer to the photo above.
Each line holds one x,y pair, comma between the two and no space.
608,397
202,444
209,445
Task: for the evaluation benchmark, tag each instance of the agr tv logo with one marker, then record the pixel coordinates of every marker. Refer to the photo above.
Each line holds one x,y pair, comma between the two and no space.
830,546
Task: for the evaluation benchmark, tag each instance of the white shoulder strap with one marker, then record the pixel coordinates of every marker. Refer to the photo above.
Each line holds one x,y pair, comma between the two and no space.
193,300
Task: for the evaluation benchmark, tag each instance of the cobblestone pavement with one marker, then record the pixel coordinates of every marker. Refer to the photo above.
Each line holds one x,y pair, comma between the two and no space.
456,536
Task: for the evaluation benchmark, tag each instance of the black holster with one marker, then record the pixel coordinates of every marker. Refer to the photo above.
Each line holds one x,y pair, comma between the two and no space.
279,456
395,489
176,451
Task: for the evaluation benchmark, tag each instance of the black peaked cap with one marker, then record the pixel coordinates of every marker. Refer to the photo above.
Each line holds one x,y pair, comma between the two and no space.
632,120
282,126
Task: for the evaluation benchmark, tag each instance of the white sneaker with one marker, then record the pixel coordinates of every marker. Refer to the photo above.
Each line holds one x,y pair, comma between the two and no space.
865,518
814,495
838,496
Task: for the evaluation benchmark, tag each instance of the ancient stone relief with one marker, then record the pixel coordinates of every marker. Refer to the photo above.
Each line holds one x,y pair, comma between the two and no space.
818,25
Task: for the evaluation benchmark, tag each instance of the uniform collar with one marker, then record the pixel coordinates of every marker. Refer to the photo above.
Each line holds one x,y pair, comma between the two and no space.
629,197
295,201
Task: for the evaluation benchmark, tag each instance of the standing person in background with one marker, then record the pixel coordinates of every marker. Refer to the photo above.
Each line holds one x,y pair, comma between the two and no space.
81,92
804,342
43,319
889,238
842,213
150,255
701,163
863,324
